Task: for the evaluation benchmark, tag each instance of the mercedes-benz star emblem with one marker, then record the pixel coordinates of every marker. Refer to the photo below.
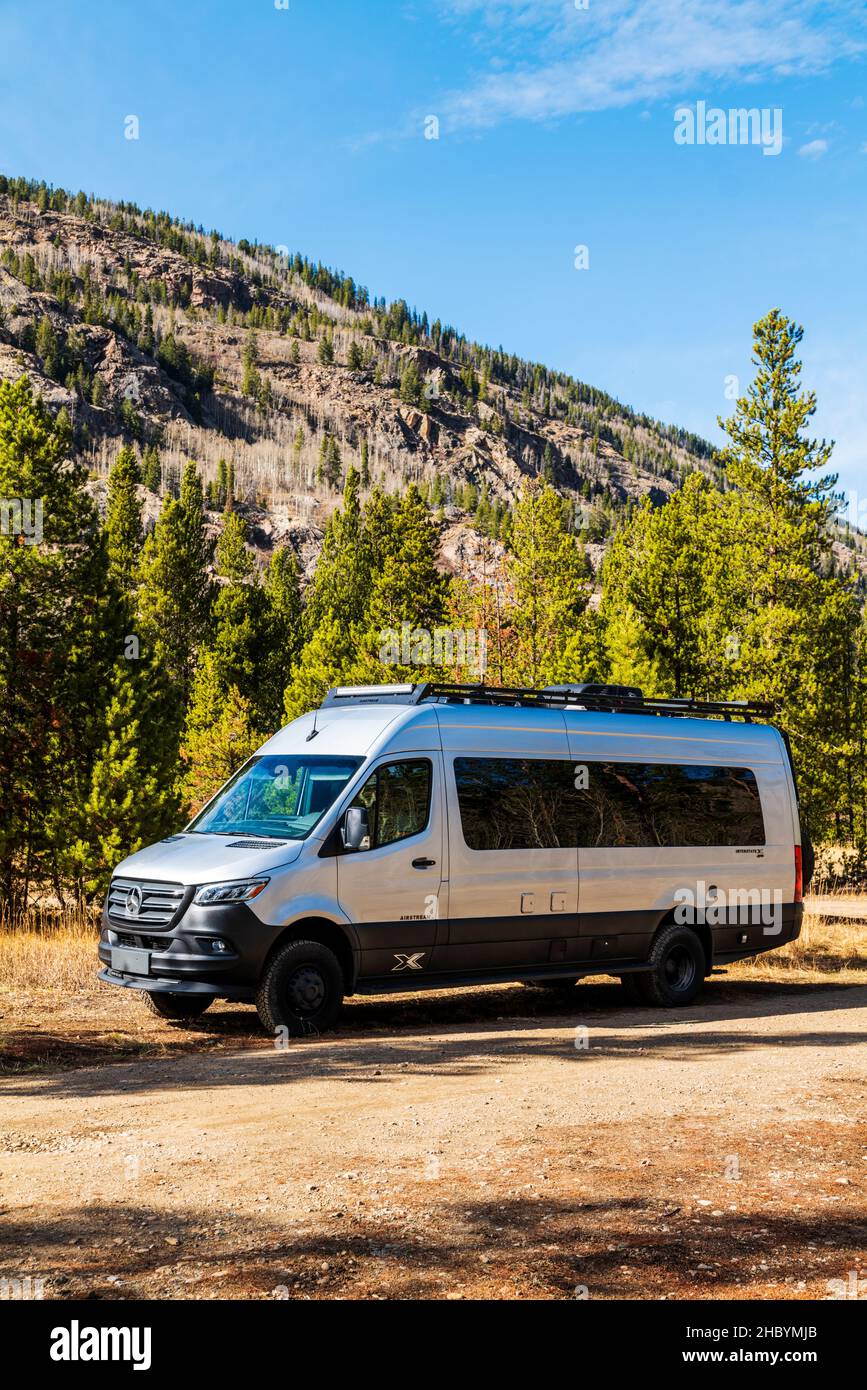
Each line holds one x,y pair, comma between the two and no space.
133,902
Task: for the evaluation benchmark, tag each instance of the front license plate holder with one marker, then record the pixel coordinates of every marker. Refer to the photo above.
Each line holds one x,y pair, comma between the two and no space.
127,960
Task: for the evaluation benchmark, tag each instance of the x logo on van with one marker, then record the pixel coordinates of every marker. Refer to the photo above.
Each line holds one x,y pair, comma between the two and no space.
405,962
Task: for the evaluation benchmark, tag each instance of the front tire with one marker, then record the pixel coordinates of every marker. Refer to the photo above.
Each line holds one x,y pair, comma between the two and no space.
301,989
179,1007
677,969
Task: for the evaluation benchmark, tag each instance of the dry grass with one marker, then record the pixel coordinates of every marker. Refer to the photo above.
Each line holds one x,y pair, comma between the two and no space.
829,948
49,950
57,951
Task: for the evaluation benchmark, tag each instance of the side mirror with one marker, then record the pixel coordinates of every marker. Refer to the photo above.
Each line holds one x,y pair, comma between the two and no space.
356,828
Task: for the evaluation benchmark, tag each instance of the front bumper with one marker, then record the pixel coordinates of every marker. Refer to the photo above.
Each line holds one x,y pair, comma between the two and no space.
182,960
150,984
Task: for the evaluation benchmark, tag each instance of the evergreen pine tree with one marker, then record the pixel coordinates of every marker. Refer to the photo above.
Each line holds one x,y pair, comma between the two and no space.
123,522
129,804
233,559
327,659
411,384
55,644
282,635
407,585
799,627
548,574
250,379
151,473
219,736
175,592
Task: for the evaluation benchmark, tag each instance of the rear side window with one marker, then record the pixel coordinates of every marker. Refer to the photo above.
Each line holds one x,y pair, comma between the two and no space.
667,805
530,803
397,798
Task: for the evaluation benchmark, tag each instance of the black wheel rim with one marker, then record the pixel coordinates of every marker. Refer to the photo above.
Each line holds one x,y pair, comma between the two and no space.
306,990
679,969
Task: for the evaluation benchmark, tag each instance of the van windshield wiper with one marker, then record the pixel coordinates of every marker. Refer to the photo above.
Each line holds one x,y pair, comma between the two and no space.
249,834
213,832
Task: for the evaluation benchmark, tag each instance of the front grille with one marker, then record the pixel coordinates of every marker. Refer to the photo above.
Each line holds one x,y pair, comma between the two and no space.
143,943
161,903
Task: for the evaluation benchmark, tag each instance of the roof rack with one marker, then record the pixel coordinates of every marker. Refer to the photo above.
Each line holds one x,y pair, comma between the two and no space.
614,699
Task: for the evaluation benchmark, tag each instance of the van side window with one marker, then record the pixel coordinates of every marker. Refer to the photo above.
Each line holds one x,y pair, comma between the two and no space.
669,806
517,803
535,803
397,799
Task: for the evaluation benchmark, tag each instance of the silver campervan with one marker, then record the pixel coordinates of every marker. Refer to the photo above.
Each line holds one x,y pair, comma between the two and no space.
429,836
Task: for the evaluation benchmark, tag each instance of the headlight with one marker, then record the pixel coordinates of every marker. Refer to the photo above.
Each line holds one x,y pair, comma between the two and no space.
240,892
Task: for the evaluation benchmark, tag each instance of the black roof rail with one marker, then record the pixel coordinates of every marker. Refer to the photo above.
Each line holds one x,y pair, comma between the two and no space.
615,700
591,697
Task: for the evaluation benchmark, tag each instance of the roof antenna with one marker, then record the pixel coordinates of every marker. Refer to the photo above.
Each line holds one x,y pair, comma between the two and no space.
314,731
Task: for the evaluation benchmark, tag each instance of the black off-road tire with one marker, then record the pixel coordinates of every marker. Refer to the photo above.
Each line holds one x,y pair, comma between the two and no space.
301,989
180,1008
677,969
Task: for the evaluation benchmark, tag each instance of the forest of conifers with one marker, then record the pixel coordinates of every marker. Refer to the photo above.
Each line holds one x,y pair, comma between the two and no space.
137,671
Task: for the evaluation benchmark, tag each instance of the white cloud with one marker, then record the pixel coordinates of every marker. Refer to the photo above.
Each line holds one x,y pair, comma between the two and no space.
814,150
546,59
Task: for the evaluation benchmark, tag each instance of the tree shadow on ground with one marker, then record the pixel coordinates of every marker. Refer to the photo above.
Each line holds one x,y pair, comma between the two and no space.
617,1247
443,1037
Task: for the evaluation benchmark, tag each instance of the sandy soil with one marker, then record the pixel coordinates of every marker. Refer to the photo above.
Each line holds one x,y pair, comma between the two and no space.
497,1143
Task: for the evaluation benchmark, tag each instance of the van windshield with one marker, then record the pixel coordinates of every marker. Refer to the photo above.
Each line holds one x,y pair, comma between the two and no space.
279,796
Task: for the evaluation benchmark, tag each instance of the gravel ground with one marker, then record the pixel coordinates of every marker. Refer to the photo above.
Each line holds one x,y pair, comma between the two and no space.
497,1143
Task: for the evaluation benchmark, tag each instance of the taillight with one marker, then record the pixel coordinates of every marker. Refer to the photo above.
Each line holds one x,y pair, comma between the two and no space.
799,875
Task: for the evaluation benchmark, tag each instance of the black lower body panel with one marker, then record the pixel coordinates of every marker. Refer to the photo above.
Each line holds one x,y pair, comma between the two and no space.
490,950
153,984
465,979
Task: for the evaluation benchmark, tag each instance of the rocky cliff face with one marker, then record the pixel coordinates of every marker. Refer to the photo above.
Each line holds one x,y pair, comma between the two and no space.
145,330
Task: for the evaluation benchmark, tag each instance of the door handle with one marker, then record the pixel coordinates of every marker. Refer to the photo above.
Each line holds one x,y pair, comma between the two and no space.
423,863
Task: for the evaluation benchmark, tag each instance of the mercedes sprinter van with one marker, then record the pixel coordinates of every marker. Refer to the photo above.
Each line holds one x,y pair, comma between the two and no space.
429,836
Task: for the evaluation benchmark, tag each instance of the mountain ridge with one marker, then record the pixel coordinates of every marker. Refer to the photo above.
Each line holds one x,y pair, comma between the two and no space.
142,327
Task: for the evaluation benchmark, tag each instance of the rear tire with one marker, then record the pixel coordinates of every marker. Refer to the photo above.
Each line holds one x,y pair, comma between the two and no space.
677,969
301,990
178,1007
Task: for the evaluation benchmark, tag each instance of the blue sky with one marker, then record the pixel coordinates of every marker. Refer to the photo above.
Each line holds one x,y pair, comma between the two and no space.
305,126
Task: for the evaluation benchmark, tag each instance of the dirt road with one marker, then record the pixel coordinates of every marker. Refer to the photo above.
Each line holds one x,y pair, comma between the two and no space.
852,906
538,1151
528,1149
